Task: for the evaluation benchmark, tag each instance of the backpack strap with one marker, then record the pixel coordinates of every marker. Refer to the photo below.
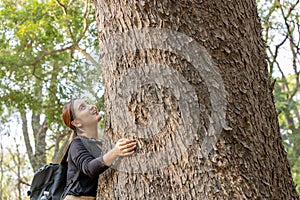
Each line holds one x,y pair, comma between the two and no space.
70,184
64,160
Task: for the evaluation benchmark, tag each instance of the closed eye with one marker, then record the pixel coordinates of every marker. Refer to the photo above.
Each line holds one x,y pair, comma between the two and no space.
82,107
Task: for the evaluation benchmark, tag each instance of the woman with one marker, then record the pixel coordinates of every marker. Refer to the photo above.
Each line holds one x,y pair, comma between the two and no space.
83,119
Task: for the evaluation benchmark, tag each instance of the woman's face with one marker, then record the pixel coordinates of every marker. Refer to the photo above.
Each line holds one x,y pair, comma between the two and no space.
85,113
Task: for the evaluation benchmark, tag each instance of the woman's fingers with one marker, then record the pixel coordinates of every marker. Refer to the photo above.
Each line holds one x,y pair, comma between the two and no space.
123,142
131,148
130,141
128,148
126,141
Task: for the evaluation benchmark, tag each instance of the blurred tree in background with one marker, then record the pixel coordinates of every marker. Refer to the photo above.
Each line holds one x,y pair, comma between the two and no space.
46,50
48,55
280,22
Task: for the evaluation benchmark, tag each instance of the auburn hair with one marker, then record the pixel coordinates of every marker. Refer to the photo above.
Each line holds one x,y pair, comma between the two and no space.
68,115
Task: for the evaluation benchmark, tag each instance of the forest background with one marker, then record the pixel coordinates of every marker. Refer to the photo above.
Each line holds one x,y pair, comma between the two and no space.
48,54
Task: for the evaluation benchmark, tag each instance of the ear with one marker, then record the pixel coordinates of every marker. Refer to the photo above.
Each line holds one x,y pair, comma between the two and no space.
76,123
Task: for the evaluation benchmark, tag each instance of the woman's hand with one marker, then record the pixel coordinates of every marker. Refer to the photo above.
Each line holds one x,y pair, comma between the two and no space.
125,147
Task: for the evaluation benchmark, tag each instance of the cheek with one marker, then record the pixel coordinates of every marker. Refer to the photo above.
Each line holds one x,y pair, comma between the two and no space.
82,115
85,115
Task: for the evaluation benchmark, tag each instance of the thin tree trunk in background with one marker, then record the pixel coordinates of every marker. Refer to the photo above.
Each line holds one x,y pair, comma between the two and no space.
38,157
27,140
248,160
60,149
18,165
39,133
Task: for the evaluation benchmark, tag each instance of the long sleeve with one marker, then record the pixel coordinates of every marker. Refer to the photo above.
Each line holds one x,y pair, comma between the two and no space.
79,158
84,161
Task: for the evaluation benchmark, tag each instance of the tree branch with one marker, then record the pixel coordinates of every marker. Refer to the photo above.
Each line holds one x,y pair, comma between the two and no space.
88,56
85,16
64,8
48,52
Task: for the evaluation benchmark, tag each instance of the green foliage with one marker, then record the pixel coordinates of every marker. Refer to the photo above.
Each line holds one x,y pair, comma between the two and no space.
280,22
43,45
288,107
40,68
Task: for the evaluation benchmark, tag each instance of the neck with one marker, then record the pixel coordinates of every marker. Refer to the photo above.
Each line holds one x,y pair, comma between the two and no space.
90,132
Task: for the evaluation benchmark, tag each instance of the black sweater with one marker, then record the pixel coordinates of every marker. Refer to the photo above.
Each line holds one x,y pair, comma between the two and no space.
90,168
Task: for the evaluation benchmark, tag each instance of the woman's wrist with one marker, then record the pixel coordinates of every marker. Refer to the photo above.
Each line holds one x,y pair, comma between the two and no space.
110,156
115,152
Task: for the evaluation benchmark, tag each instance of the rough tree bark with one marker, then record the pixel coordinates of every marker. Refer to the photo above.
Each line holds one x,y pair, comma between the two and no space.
247,159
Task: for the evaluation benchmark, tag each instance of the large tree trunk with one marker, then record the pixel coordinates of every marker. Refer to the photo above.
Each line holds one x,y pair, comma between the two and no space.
189,81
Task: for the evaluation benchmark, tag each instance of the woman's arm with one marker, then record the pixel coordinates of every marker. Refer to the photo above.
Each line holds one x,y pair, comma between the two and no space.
92,166
124,147
84,161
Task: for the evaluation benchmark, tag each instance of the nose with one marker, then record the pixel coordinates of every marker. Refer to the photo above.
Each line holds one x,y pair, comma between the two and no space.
93,107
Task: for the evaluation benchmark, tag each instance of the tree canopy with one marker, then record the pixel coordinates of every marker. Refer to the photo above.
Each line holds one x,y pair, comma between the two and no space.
44,63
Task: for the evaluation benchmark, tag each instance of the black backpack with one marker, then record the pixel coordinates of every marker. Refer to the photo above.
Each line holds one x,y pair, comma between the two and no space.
51,178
